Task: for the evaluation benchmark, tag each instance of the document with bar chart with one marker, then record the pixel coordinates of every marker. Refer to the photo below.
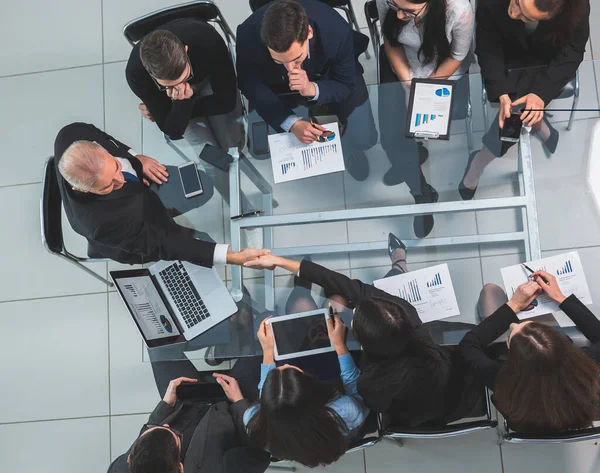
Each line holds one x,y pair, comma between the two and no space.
429,108
429,290
568,271
291,159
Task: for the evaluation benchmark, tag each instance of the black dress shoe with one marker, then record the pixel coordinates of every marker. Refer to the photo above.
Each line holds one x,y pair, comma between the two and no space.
552,142
394,243
357,165
423,224
423,154
464,191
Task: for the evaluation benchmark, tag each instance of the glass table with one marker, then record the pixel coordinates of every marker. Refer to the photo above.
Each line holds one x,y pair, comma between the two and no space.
526,206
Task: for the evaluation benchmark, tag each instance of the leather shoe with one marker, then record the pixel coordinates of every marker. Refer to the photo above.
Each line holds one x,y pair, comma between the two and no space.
357,165
552,142
464,191
394,243
423,224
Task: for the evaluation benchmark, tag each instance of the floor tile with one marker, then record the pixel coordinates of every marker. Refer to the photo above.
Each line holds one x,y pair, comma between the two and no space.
123,118
46,275
580,457
58,35
66,446
60,346
132,387
124,430
491,266
32,120
475,453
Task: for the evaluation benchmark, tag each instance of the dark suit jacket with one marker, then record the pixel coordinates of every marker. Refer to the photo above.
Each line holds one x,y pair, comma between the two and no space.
331,57
211,62
217,441
503,49
129,225
413,387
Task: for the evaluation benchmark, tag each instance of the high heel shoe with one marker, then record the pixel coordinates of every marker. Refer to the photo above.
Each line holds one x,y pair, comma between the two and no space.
394,243
551,143
464,191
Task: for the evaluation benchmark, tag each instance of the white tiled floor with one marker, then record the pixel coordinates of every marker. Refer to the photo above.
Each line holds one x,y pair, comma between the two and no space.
75,388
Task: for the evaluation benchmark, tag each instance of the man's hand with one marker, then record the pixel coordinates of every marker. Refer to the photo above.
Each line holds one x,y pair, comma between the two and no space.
247,254
532,102
171,394
505,109
299,82
181,92
153,170
551,287
337,334
524,296
264,262
305,132
267,341
230,386
145,112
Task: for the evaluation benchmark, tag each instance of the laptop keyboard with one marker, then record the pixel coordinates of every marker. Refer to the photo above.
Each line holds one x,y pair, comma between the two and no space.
186,297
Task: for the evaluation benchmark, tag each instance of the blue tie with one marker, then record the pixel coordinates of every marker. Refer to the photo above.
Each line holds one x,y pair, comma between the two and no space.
130,177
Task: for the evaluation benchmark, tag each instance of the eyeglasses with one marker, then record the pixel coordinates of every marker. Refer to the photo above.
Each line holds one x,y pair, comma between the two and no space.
189,77
409,13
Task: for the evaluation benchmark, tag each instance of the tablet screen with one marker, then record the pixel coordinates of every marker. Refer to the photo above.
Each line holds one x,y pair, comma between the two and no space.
300,334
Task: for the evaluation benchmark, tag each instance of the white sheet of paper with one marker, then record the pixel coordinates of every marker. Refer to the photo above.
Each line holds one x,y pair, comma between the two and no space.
431,108
567,269
429,290
292,160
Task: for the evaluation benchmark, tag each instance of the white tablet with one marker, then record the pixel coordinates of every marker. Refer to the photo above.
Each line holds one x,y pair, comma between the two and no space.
301,334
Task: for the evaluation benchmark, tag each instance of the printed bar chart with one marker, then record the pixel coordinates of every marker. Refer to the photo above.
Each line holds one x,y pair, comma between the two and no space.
410,292
566,269
436,281
285,167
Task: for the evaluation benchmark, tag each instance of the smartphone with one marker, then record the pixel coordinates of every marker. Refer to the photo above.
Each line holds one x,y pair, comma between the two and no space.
260,138
190,180
200,390
512,128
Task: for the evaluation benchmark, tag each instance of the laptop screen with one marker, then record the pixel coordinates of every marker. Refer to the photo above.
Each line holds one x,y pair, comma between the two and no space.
147,307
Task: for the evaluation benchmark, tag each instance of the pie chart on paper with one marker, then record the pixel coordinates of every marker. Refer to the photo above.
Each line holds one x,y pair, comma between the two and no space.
443,92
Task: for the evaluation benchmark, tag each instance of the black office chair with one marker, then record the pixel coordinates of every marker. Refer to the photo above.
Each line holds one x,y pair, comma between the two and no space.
568,436
398,433
204,10
569,90
461,109
51,221
344,5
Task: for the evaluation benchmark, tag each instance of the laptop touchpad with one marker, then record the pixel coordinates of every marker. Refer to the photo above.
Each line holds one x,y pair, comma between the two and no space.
207,279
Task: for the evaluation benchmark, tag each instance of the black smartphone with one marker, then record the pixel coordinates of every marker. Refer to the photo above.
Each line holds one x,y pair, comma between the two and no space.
512,128
202,390
190,179
260,138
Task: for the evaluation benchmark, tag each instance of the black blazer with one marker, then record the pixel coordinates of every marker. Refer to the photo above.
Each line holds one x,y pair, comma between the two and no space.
474,344
331,57
216,443
129,225
503,49
412,388
211,62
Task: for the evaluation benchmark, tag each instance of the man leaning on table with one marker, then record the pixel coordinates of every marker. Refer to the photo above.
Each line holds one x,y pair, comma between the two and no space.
114,197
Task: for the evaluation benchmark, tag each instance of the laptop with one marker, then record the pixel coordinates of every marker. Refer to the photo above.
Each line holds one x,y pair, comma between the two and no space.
174,301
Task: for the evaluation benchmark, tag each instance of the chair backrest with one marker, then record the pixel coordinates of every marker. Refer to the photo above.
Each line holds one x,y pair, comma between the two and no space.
566,436
372,16
256,4
51,210
204,10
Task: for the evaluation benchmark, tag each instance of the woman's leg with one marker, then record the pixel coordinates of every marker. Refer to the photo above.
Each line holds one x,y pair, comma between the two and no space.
301,299
491,298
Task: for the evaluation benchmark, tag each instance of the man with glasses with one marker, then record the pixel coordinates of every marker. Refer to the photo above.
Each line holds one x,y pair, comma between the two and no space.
196,435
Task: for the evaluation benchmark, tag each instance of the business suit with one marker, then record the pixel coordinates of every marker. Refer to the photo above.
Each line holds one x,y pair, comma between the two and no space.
214,437
130,225
421,385
517,63
332,64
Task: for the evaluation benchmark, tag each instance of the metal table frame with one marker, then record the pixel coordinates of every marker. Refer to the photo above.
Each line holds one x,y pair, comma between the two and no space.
526,202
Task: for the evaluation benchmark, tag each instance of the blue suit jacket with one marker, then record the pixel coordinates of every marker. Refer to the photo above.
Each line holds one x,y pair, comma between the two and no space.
331,57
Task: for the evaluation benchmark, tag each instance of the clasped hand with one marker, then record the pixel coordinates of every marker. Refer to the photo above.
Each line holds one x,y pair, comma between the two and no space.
532,114
526,293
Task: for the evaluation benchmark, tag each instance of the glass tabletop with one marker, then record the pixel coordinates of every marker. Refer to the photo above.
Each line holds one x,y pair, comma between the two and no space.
528,204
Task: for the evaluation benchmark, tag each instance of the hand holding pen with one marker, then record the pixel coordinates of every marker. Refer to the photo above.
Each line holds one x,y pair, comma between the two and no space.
337,332
551,287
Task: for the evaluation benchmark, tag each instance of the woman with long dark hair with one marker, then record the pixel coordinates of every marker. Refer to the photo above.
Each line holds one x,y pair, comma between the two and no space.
404,372
528,51
422,39
300,418
547,383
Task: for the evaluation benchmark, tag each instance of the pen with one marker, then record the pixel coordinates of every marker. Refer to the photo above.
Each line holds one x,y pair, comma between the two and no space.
320,139
249,214
532,271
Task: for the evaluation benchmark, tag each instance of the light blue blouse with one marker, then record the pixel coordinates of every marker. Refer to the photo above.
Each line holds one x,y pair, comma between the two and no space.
349,406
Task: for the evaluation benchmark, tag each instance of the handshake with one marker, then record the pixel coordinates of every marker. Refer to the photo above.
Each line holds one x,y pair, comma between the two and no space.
252,258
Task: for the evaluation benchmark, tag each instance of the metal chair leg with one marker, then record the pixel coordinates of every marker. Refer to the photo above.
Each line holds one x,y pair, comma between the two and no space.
397,442
486,122
354,21
281,467
86,269
469,126
575,101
